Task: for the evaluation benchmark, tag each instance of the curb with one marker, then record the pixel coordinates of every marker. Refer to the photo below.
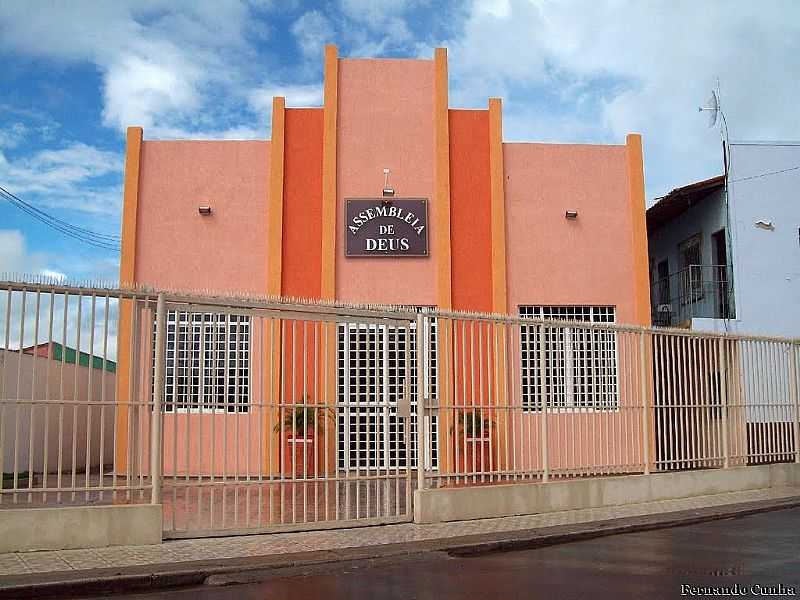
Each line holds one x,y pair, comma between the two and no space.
149,578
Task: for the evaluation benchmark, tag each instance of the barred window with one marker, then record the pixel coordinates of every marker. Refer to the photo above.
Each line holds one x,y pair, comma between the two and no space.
580,364
207,362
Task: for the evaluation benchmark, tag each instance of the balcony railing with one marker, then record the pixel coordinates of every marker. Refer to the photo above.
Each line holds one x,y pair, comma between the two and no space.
698,291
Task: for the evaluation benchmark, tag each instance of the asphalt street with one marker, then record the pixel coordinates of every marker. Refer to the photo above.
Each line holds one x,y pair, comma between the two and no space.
753,556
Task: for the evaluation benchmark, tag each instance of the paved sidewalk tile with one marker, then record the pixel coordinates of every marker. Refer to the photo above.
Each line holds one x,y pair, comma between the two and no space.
177,551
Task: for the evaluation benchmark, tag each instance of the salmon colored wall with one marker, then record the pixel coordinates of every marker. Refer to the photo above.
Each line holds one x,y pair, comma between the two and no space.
302,203
178,248
576,440
219,443
470,211
382,114
552,260
385,120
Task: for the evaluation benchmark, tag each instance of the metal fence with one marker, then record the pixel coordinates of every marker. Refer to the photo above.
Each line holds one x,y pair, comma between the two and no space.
246,414
281,417
535,400
66,433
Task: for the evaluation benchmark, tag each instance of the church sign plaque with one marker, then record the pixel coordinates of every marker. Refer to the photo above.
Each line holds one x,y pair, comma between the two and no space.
386,227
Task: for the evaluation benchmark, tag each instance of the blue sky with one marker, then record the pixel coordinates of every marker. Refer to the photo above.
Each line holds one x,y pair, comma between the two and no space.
75,74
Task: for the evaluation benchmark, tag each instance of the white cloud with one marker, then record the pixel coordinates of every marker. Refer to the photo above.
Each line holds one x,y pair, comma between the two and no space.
12,135
376,12
243,132
162,65
138,90
568,71
54,275
312,31
66,178
296,95
377,26
19,262
594,71
15,256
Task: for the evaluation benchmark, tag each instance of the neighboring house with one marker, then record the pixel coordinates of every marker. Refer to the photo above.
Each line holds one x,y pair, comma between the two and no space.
383,195
764,199
725,257
729,260
688,244
59,353
68,398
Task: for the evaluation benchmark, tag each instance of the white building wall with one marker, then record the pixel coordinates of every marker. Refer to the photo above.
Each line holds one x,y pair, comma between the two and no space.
764,185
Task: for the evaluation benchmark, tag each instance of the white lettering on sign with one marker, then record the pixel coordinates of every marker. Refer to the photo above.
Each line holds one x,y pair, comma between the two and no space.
386,244
393,212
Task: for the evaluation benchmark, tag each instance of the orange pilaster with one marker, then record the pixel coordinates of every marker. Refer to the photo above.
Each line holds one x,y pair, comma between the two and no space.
276,184
441,201
127,277
498,211
635,161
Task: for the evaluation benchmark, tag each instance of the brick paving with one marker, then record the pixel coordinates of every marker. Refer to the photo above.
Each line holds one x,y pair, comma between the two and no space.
178,551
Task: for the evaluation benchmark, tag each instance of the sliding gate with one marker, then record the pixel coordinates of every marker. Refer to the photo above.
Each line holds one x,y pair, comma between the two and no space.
375,363
284,417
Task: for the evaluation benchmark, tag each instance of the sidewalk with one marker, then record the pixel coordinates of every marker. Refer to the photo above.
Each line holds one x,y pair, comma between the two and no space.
191,562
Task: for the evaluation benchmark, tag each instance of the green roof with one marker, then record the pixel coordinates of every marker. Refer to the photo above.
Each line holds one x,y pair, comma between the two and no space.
68,357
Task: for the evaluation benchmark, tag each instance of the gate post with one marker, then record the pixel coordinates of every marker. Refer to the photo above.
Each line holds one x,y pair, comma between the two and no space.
158,399
723,391
644,374
422,352
543,398
793,384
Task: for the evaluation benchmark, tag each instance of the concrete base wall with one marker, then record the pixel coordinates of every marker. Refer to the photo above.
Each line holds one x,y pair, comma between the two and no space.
458,504
70,527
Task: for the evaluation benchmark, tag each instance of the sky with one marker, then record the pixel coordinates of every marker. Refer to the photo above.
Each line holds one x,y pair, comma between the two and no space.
75,74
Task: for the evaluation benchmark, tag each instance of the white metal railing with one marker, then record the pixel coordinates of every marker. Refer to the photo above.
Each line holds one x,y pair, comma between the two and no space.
67,435
245,414
529,399
321,438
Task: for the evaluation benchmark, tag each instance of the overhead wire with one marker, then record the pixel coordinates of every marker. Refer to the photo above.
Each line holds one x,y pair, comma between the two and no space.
17,199
86,236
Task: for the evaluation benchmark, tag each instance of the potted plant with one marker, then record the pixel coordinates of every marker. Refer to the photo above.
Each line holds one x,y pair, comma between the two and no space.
473,440
299,425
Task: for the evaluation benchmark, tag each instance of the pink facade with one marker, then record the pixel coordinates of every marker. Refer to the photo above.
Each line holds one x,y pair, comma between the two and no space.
385,121
224,251
178,248
556,261
390,114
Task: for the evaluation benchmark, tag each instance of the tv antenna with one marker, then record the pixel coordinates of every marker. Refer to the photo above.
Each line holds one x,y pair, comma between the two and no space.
712,108
715,114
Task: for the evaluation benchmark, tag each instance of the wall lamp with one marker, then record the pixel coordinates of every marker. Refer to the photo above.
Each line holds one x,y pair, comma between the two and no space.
204,210
388,191
768,225
571,215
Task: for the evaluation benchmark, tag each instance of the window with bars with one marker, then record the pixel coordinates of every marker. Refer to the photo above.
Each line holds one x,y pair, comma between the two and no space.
580,364
371,380
691,270
207,362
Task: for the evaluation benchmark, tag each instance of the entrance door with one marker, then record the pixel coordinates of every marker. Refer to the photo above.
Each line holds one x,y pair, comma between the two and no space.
371,380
